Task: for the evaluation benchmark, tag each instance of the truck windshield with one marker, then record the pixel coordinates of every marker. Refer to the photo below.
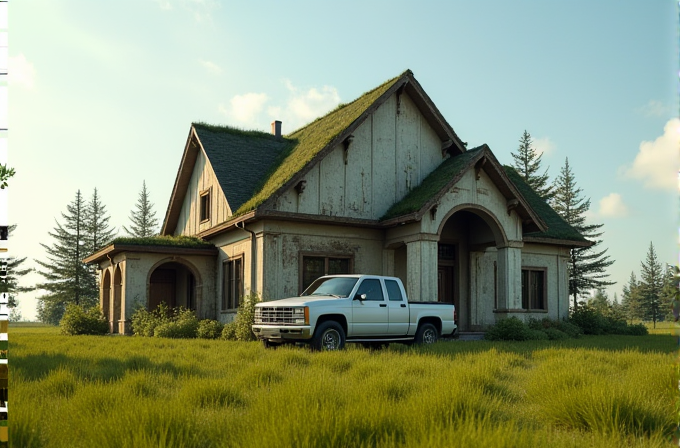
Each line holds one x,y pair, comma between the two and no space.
331,286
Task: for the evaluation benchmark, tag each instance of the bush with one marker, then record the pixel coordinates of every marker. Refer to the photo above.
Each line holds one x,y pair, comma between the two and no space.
637,330
80,320
589,320
555,334
229,332
510,329
182,325
245,318
209,329
144,322
546,324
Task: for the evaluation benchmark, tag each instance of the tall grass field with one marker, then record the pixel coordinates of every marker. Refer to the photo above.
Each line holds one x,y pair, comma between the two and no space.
118,392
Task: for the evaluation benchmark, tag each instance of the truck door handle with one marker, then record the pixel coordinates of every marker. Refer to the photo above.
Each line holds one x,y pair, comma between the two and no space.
403,305
382,305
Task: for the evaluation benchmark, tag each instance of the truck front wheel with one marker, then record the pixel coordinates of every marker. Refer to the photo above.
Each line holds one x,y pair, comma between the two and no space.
427,334
329,336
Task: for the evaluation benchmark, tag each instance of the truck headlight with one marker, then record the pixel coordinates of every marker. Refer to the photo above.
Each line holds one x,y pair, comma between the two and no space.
301,315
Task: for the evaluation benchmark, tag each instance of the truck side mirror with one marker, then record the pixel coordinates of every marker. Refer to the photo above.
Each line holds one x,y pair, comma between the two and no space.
360,297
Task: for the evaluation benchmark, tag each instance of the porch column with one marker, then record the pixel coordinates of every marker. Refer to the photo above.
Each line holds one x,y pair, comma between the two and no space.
510,278
421,262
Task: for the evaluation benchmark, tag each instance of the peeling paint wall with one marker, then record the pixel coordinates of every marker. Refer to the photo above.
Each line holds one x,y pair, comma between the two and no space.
390,154
203,178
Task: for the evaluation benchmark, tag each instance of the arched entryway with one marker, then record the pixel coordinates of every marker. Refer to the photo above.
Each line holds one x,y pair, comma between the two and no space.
106,297
174,283
117,299
467,267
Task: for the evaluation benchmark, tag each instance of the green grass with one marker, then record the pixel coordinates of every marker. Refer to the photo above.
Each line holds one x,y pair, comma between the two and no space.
113,391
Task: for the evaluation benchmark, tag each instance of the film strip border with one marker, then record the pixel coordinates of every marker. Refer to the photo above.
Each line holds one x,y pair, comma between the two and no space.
4,257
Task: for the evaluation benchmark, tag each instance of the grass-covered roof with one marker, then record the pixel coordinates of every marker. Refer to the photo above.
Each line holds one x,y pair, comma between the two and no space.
558,228
431,185
308,141
164,240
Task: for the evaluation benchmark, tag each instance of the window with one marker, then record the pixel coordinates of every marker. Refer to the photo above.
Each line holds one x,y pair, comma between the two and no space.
232,283
314,267
394,291
372,288
533,289
205,206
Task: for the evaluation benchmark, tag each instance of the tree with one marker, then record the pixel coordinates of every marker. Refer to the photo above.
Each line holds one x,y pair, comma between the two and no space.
632,304
600,302
669,291
587,266
67,279
651,284
11,271
528,165
98,234
143,219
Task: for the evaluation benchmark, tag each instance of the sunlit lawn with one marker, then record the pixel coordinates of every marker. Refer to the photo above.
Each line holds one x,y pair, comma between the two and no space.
114,391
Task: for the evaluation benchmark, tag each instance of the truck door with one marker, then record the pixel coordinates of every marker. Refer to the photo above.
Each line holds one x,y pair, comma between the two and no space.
370,316
398,311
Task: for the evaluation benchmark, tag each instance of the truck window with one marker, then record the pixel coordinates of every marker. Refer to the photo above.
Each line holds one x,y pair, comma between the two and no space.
331,286
372,288
394,291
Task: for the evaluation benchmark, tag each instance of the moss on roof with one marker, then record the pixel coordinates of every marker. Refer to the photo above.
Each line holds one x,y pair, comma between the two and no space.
166,240
309,140
431,185
558,228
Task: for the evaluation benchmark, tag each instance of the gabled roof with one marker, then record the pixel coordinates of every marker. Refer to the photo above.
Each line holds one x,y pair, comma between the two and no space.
425,196
558,229
312,142
240,160
267,167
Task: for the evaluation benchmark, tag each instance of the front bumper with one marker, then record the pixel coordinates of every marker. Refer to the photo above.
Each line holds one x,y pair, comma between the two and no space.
281,332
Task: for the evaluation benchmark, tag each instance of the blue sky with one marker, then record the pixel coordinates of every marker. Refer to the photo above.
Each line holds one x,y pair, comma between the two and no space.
102,94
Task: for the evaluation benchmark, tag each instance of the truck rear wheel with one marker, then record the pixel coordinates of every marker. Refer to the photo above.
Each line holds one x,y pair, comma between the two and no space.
329,336
427,334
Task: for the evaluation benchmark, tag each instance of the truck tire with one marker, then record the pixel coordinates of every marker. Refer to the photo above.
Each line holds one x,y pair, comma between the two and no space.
328,336
426,334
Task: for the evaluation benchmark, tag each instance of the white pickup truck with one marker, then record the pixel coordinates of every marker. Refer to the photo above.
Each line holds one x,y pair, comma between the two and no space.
369,309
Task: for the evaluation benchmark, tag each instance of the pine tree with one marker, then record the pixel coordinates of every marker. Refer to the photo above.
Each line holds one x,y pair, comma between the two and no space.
651,284
67,278
669,291
98,234
600,302
143,219
632,303
528,164
586,265
14,271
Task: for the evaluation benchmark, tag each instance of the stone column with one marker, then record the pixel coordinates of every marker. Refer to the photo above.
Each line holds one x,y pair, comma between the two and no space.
421,260
510,278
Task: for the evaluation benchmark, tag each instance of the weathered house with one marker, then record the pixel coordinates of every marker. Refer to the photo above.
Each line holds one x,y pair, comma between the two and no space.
381,185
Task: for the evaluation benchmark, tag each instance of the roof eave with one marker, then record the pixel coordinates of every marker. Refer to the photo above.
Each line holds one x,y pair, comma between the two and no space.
557,241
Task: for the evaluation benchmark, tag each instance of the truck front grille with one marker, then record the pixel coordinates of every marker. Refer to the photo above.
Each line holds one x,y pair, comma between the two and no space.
268,315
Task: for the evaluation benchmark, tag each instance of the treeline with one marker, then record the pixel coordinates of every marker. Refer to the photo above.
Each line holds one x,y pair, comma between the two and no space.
82,230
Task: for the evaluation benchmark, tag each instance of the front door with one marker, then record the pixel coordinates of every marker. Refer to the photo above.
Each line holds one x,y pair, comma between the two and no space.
370,316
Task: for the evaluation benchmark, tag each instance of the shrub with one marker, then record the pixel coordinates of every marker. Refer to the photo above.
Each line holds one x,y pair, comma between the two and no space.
182,325
570,329
229,332
510,329
589,320
245,318
209,329
144,322
80,320
637,330
555,334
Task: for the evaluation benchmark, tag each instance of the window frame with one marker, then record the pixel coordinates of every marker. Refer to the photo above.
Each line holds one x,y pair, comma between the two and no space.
327,256
533,270
232,286
204,205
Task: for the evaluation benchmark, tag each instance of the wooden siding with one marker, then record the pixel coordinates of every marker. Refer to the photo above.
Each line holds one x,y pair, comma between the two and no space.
389,155
203,178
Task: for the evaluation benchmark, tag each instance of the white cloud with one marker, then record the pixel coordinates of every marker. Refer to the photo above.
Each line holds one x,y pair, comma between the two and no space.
543,145
21,72
654,108
304,106
656,163
612,206
211,67
245,108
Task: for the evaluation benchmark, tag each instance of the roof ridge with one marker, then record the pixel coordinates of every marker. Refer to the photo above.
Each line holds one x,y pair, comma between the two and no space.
234,130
